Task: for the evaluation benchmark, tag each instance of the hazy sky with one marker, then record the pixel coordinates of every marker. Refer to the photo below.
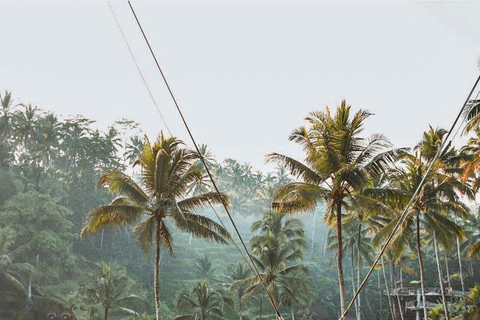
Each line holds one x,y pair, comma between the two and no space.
246,74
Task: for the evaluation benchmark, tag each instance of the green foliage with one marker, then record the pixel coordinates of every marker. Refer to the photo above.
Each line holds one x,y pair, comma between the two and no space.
50,166
42,226
276,250
203,302
110,291
203,266
9,187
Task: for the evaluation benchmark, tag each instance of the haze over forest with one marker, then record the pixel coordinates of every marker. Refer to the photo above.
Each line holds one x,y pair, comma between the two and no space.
323,139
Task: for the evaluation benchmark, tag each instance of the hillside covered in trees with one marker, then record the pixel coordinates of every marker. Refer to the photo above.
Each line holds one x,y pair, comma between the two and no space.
111,224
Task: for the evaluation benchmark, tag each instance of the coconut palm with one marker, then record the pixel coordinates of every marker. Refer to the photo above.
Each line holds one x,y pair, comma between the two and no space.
448,165
161,196
110,290
6,114
48,135
203,303
358,243
338,163
203,266
438,196
473,249
238,272
26,128
276,251
12,273
133,149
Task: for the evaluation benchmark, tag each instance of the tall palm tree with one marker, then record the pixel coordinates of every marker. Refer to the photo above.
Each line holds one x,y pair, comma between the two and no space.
276,251
338,163
448,165
161,196
26,126
203,302
437,198
357,241
133,149
49,132
109,290
12,273
6,114
203,266
238,272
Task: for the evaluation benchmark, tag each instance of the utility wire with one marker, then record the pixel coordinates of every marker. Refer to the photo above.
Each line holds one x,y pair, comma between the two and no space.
138,68
412,199
257,273
166,126
223,225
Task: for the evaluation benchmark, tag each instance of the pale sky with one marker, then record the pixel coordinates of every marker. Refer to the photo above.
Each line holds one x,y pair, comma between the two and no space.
247,74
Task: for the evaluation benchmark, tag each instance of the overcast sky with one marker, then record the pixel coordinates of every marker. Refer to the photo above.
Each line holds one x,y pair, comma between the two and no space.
245,75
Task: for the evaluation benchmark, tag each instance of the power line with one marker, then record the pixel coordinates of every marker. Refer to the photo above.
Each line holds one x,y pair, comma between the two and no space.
165,123
166,126
412,199
138,68
257,273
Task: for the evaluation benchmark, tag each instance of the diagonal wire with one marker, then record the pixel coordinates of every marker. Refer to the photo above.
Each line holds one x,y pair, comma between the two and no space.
404,214
166,126
255,269
138,67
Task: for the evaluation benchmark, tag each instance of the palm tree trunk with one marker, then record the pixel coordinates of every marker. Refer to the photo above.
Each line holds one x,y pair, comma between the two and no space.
359,268
341,281
380,292
261,306
240,293
420,264
313,230
448,270
105,316
390,304
156,271
101,239
460,267
400,310
325,244
440,278
353,282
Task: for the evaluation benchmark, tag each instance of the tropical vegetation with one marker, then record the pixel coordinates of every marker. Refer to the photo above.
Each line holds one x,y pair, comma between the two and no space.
100,222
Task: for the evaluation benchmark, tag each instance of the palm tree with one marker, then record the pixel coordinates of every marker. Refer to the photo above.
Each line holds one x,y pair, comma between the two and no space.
161,196
26,127
203,266
429,212
133,149
358,243
6,114
238,272
276,250
339,163
110,290
12,273
48,137
203,303
473,239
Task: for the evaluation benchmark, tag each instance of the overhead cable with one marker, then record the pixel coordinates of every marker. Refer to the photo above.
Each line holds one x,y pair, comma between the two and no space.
257,273
446,142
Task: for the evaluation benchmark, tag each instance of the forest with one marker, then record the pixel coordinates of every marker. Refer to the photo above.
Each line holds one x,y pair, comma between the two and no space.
111,224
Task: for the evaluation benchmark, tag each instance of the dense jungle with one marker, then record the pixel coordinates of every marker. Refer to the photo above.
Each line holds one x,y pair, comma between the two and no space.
107,223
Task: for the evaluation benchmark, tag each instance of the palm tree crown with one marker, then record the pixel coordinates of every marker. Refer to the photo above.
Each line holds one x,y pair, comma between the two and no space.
338,164
167,170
